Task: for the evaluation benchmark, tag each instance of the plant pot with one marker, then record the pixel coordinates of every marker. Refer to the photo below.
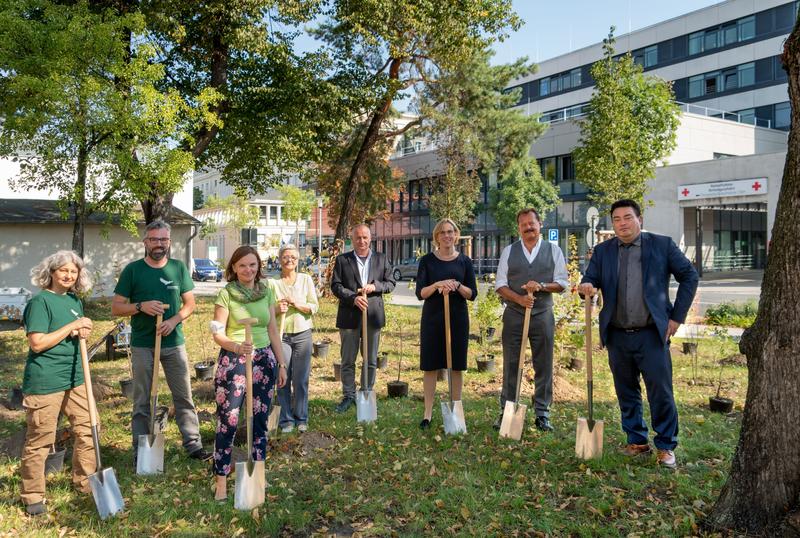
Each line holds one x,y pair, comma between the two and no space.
689,347
576,364
204,371
383,360
337,371
15,398
486,364
719,404
441,375
397,389
126,386
321,349
490,332
55,460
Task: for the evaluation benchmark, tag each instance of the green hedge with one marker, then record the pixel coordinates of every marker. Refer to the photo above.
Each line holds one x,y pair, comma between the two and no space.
732,314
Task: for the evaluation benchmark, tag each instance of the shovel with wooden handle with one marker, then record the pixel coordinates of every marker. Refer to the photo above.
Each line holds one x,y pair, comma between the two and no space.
514,412
105,488
251,477
452,411
150,452
275,414
589,432
366,401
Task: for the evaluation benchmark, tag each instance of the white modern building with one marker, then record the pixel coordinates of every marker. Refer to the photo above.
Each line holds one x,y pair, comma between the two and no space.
724,64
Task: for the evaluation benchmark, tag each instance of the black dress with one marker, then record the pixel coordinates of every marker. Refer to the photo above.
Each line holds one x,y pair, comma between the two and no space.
431,335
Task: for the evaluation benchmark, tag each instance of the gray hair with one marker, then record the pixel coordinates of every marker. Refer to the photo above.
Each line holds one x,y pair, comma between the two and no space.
157,224
42,274
288,246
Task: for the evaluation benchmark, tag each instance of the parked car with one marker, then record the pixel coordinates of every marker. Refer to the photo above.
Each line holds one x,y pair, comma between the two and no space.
205,269
406,269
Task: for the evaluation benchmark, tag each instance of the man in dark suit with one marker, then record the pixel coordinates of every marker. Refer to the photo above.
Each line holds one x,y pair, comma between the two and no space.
637,321
361,268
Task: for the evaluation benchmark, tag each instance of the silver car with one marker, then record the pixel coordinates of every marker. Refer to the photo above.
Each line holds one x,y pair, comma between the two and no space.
406,269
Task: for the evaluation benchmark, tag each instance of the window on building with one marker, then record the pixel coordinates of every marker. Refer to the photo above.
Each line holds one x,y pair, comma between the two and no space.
710,40
567,172
566,81
549,169
273,212
638,58
782,115
695,43
651,56
747,74
748,116
555,84
696,86
747,28
730,79
730,34
544,86
712,83
262,212
576,77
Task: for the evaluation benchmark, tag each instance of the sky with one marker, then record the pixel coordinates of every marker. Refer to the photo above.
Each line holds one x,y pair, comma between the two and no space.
553,28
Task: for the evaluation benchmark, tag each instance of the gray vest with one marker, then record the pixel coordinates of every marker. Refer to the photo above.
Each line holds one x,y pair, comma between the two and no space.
520,272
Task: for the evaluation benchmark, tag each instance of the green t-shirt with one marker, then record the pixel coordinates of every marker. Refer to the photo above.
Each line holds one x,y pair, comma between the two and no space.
236,311
139,282
58,368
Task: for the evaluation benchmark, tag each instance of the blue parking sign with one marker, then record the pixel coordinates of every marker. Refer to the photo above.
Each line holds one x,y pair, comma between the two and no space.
552,235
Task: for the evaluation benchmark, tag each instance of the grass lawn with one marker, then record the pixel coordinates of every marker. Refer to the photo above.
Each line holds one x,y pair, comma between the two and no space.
341,478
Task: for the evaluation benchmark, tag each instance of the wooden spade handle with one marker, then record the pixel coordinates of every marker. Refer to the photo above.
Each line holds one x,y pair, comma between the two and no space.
364,346
157,355
523,346
588,336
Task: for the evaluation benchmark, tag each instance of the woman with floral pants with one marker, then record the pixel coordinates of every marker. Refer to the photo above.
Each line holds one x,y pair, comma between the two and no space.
245,296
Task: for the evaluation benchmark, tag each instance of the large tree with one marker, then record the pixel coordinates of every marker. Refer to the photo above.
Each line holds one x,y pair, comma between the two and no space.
297,205
764,482
629,129
398,48
521,186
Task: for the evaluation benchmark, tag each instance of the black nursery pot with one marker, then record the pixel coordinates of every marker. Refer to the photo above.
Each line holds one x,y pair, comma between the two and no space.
126,386
321,349
689,347
397,389
55,460
15,398
486,364
204,371
490,332
720,405
576,364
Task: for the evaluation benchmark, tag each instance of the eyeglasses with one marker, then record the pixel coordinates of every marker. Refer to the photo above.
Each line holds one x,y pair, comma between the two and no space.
289,258
163,240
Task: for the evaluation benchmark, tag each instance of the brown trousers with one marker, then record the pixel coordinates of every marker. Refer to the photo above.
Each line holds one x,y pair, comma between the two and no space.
42,418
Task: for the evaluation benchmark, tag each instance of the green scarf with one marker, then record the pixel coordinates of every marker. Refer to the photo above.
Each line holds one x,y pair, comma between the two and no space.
244,295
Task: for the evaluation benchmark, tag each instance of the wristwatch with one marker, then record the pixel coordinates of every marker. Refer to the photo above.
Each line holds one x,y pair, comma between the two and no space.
281,365
138,307
459,286
543,285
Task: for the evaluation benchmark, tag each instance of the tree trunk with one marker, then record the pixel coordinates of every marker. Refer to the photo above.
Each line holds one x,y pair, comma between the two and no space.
764,482
79,202
157,205
370,138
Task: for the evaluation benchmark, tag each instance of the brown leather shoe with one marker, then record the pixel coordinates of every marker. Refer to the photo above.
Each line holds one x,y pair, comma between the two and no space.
666,458
636,450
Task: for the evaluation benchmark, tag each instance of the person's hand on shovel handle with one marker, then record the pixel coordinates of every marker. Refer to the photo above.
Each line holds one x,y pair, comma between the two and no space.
526,301
361,301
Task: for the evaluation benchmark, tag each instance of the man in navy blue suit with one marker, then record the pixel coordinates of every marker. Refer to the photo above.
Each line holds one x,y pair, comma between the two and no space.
637,321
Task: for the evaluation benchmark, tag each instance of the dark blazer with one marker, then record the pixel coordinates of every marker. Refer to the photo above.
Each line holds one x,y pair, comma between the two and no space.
345,283
661,258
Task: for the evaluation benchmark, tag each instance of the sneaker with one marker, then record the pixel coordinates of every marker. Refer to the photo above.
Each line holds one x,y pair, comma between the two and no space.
36,509
543,424
289,428
425,424
632,450
302,428
345,404
666,458
201,455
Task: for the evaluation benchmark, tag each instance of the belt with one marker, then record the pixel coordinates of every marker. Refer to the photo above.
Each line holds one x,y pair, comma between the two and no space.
633,329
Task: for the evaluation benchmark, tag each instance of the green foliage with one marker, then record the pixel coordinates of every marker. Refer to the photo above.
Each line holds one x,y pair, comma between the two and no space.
486,310
238,212
197,198
521,186
568,307
741,315
630,127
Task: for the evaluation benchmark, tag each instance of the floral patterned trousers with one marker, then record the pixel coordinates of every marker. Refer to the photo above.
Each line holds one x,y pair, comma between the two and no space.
229,387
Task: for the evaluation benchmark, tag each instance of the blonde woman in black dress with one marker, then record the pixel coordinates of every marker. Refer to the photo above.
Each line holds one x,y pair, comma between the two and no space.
444,271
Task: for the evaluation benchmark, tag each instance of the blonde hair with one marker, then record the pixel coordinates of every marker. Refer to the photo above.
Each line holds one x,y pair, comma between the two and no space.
438,228
42,274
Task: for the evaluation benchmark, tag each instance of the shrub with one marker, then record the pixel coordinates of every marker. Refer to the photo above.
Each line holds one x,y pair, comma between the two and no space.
732,314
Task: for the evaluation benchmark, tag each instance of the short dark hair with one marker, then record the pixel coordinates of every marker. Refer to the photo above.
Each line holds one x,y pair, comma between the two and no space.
527,210
626,202
238,254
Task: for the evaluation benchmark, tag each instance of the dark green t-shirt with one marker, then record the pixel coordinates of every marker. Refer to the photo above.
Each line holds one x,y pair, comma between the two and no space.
58,368
139,283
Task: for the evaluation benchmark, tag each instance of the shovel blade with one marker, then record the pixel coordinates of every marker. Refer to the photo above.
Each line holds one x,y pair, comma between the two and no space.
513,420
453,419
251,484
366,406
150,454
274,419
589,441
106,493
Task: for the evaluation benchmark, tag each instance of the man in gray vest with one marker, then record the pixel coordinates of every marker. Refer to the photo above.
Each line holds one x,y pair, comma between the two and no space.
530,264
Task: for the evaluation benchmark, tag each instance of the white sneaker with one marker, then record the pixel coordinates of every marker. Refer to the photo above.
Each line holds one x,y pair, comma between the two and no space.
302,428
289,428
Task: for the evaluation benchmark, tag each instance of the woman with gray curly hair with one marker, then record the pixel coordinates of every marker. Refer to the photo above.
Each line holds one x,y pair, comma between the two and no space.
53,378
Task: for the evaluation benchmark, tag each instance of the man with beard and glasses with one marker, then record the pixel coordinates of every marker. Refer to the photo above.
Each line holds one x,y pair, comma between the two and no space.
535,265
144,288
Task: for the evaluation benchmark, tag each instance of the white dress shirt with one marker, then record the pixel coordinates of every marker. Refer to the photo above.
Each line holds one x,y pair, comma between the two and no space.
560,274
